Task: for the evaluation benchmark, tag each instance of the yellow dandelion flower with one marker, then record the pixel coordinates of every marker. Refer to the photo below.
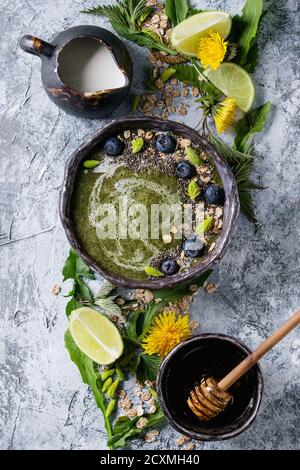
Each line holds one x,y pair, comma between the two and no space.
212,50
167,331
225,114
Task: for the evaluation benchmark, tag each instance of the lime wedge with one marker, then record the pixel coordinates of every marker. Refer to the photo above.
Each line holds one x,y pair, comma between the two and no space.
234,82
186,35
95,335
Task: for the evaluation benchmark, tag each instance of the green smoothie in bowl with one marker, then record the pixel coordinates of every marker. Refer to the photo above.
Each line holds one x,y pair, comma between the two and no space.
147,204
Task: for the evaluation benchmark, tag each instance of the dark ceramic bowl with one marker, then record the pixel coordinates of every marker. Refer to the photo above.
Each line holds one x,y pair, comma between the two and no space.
208,355
231,207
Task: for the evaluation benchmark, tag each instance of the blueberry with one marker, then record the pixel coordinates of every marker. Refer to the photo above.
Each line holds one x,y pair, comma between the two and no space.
185,170
214,195
169,267
165,143
193,247
113,146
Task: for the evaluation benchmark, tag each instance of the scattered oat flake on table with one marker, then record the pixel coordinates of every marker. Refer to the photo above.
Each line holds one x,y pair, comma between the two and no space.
182,440
126,403
55,289
190,446
151,436
210,287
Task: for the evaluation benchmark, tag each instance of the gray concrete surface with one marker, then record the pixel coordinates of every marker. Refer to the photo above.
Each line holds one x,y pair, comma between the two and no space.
43,404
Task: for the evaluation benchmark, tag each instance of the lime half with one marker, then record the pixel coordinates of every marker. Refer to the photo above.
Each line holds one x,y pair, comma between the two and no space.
186,35
96,336
234,82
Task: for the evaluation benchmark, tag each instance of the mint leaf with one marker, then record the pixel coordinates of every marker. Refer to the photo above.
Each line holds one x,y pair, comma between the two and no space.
147,368
193,190
177,10
205,226
248,25
193,156
251,123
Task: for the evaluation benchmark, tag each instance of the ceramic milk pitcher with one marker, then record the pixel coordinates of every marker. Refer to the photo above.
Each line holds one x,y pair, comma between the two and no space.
86,70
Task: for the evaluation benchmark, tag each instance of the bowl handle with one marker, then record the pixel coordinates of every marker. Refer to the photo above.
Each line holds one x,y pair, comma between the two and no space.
36,46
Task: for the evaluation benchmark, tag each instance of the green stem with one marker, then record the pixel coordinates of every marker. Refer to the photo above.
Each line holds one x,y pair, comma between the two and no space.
198,68
133,340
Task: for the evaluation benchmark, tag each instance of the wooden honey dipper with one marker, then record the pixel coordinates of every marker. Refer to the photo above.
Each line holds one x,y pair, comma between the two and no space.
208,399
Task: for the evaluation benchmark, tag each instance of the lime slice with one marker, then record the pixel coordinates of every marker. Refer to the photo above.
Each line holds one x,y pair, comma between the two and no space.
95,335
234,82
186,35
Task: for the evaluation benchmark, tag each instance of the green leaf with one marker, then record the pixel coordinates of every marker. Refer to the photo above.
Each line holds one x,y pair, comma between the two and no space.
177,10
89,164
251,123
109,307
137,145
153,271
105,290
125,428
176,294
74,267
241,165
187,74
142,38
131,328
205,226
83,291
73,304
248,24
135,102
89,374
193,190
146,318
147,368
167,74
126,17
193,156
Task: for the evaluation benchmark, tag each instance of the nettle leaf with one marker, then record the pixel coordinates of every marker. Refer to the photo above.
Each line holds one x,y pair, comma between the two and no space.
193,156
106,289
205,226
147,368
74,267
193,190
247,27
109,307
125,428
241,165
251,123
177,10
187,74
153,271
82,291
176,294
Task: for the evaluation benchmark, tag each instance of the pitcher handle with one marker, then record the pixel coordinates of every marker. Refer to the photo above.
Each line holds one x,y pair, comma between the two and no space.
36,46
